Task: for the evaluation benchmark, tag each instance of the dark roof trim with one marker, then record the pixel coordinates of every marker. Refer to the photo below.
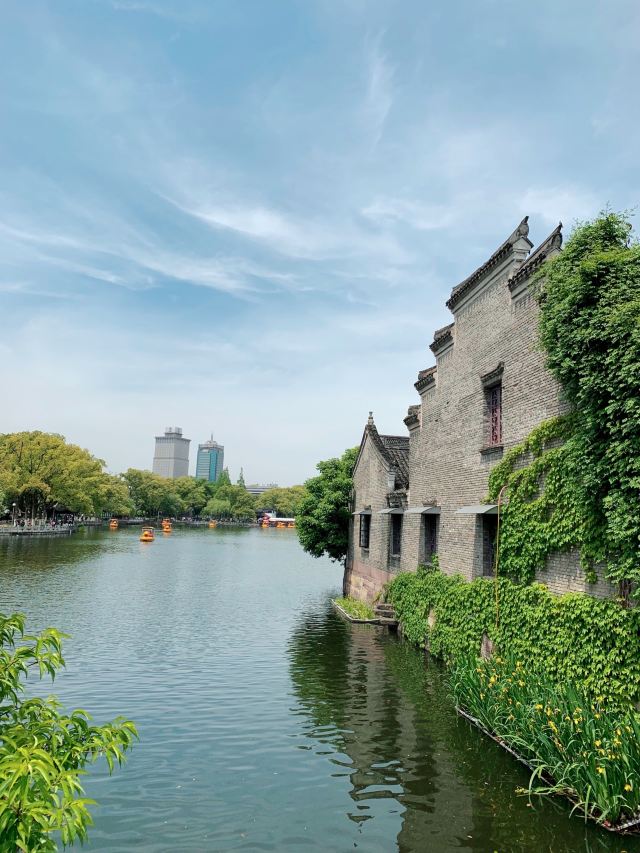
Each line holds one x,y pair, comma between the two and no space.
537,258
426,378
413,416
442,338
499,255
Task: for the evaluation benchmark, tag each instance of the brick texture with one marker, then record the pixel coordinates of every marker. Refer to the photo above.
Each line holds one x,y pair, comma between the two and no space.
495,327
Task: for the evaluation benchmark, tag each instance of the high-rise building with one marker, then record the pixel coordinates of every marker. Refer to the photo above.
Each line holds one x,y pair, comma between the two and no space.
210,460
171,458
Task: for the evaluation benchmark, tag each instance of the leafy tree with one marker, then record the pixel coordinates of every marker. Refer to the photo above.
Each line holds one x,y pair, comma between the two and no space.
218,508
192,493
39,470
43,750
323,517
115,496
146,490
285,501
230,501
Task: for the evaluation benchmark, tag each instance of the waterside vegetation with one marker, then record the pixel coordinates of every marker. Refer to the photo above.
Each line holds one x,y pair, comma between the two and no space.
356,609
575,744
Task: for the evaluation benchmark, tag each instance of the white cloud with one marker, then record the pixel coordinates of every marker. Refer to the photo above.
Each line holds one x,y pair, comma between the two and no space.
422,217
379,92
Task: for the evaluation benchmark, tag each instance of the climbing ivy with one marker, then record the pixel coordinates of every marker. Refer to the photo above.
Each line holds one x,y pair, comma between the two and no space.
575,481
574,637
590,329
542,512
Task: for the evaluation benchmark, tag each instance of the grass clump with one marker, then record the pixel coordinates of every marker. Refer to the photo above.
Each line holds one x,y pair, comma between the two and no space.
355,608
577,746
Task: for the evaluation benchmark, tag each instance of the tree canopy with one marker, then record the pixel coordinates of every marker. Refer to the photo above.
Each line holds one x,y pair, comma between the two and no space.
39,471
323,516
285,501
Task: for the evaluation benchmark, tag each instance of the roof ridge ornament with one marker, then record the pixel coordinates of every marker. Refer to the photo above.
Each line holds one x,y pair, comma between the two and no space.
370,419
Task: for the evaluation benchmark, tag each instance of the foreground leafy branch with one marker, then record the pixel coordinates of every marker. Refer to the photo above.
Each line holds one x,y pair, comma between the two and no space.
43,750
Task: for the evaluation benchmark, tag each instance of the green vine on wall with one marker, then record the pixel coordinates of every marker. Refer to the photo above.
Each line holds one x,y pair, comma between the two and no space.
574,637
542,513
581,486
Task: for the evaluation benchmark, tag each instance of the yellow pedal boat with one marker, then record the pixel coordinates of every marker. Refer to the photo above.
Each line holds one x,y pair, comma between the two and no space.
147,534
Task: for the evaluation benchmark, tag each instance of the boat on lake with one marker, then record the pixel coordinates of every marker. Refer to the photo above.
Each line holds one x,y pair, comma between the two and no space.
113,524
147,534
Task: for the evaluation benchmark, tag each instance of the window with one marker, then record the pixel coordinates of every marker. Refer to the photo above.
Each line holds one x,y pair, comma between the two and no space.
430,533
396,535
489,538
365,530
494,410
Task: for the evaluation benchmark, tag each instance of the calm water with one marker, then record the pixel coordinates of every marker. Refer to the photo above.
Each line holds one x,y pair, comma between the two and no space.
267,723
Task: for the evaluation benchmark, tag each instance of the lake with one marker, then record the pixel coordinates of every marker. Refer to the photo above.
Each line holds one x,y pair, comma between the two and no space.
267,723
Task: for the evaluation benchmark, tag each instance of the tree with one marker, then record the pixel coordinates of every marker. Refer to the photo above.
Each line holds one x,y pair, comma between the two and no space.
39,470
43,750
192,493
151,494
324,514
285,501
114,496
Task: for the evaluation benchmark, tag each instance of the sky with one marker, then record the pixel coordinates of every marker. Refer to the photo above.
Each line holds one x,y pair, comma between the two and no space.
243,217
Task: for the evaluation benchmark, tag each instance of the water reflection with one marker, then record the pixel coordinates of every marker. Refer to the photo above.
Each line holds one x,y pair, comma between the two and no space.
383,716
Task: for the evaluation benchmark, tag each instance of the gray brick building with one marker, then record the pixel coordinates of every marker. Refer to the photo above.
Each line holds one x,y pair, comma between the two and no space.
423,495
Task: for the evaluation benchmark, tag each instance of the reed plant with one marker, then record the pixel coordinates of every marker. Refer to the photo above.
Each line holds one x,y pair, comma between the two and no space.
355,608
576,745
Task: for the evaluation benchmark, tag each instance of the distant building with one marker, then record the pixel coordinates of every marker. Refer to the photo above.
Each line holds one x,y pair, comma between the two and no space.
256,489
171,458
210,461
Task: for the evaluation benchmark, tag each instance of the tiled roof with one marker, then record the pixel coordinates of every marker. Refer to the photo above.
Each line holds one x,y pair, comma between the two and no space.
537,258
500,254
397,452
394,449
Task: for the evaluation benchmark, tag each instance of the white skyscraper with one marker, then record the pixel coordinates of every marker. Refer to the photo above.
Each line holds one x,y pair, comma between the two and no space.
171,458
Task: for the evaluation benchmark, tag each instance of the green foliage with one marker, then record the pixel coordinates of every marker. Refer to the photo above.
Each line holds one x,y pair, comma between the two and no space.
575,744
590,329
355,608
324,514
285,501
541,511
151,494
230,501
575,481
39,470
43,751
575,637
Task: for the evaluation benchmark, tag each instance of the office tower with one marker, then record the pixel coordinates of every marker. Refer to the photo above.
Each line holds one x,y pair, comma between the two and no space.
210,460
171,458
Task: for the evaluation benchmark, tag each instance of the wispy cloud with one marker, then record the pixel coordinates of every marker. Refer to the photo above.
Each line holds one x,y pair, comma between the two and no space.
379,88
415,214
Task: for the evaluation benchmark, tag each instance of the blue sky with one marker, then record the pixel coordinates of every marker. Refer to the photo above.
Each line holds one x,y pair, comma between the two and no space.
244,216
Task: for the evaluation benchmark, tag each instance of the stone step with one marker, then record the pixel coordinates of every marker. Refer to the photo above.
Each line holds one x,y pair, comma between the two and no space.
382,620
384,608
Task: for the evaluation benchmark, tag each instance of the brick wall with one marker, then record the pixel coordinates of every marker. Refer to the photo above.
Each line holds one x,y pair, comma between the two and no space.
449,458
370,568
